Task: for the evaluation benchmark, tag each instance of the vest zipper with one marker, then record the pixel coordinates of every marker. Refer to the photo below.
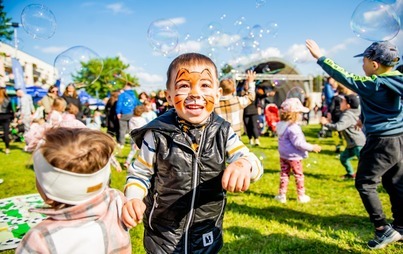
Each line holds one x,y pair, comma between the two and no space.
155,205
195,182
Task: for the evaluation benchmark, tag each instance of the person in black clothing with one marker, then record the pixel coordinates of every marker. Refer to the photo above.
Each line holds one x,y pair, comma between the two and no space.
70,96
112,121
6,115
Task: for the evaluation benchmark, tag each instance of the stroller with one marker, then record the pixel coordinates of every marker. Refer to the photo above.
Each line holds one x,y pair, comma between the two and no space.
272,117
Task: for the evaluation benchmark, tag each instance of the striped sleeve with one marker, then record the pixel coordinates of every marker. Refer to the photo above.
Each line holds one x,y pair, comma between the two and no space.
141,170
236,149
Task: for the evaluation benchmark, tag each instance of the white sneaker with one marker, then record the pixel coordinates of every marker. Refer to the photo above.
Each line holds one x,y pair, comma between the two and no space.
281,198
257,142
252,142
1,181
304,199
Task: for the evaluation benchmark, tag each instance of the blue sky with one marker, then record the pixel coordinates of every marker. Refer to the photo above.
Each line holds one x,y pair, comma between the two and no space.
119,28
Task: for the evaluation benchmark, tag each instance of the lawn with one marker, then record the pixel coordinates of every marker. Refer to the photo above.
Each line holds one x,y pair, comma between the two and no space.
333,222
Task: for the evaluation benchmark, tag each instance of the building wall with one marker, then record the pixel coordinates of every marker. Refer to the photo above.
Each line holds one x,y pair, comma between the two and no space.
36,71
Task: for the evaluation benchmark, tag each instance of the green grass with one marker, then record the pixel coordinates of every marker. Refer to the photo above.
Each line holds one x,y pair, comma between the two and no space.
333,222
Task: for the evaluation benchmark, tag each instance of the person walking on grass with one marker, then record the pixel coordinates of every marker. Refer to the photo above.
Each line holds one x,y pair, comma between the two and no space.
381,158
355,138
230,106
292,147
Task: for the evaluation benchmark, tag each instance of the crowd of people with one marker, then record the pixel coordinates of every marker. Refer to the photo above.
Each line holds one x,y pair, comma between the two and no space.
189,153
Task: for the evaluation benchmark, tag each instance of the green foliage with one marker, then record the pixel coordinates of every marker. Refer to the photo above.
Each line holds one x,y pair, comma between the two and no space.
101,78
6,31
226,69
335,220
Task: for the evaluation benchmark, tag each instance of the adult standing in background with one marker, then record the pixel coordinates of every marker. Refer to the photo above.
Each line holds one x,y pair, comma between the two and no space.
25,109
70,96
6,115
112,121
125,105
47,101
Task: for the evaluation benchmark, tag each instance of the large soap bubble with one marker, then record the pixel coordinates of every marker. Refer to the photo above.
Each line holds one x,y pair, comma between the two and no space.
375,20
38,21
78,61
163,36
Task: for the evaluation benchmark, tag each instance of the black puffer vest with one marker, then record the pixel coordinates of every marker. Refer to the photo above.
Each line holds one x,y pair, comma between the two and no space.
186,201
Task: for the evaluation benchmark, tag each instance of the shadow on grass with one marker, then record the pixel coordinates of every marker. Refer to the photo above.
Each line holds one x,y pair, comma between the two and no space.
283,243
252,241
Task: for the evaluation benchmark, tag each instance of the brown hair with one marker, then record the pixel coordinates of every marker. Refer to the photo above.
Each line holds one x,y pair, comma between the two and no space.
227,86
291,117
59,104
66,93
78,150
187,60
139,110
3,94
72,109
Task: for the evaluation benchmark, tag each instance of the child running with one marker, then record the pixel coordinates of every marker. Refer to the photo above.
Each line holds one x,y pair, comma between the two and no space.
72,169
355,138
292,148
189,157
381,158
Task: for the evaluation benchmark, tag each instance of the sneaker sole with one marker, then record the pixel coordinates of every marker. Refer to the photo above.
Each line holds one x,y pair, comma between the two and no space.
396,237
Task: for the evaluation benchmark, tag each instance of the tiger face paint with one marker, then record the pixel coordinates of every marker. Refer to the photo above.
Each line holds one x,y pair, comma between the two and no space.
194,94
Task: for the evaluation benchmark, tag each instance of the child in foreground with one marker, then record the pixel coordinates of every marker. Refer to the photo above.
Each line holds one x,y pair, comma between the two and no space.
292,148
347,125
189,157
72,169
381,158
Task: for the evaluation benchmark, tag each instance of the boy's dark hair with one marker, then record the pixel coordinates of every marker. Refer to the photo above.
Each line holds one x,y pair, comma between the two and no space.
189,59
352,100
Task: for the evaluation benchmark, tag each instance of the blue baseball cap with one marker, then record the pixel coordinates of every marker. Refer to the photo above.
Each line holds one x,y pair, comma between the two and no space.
382,52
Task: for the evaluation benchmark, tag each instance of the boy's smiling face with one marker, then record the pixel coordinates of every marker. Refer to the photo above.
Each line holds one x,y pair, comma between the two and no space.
194,92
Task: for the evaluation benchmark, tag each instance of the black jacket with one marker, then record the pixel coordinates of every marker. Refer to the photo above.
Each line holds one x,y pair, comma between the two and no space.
186,201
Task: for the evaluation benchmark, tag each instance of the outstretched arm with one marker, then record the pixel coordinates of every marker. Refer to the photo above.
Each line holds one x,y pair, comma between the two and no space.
313,48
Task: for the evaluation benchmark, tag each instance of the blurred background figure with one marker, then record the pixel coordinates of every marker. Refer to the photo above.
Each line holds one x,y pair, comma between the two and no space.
70,96
6,116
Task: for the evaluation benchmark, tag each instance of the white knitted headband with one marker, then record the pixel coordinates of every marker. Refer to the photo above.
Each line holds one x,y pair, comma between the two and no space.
68,187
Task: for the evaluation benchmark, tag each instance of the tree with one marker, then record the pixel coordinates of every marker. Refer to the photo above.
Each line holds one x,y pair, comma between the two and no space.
100,81
226,69
5,29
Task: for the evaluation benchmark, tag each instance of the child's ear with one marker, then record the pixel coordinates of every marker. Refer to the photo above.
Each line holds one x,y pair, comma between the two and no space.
169,98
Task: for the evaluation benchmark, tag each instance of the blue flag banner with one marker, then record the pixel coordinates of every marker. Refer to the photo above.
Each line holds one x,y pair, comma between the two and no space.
18,74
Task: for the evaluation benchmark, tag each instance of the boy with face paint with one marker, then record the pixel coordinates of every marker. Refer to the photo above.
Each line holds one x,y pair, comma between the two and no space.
189,157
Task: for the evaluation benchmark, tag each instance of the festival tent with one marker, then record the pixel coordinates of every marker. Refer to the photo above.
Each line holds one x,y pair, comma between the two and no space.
36,92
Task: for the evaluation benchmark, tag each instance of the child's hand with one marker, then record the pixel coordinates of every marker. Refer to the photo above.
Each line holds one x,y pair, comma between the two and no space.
316,148
358,125
251,75
132,212
313,48
236,177
324,120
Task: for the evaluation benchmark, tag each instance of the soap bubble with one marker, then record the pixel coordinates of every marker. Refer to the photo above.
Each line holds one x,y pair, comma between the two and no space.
375,20
296,92
38,21
260,3
163,36
69,65
261,156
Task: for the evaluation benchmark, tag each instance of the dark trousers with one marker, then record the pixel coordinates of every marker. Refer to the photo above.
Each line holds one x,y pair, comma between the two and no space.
381,159
252,125
5,124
